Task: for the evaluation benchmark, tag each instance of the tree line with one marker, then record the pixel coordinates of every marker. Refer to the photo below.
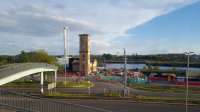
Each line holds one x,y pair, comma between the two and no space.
156,60
24,57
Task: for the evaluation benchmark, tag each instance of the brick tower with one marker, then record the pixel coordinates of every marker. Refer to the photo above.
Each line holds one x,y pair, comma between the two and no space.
84,54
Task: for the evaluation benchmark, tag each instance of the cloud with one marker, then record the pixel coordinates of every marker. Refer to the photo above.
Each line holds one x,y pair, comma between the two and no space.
40,23
34,23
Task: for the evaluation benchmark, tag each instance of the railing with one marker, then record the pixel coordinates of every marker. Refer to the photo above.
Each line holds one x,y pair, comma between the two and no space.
10,69
27,103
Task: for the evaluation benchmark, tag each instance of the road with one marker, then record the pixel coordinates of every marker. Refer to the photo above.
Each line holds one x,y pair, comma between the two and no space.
125,106
101,87
6,109
112,106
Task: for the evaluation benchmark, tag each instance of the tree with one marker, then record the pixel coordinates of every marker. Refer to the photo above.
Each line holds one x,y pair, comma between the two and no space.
3,60
36,56
107,56
24,57
42,56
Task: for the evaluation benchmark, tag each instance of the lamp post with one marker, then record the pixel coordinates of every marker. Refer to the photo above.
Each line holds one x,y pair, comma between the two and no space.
66,50
187,75
125,73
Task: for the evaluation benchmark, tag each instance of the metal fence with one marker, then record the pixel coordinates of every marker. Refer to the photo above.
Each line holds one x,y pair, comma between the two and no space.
27,103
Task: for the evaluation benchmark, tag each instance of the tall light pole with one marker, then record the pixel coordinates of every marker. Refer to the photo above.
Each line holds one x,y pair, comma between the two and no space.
187,75
125,72
66,50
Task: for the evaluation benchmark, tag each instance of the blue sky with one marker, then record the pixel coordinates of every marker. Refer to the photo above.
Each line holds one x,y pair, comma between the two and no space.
177,31
141,26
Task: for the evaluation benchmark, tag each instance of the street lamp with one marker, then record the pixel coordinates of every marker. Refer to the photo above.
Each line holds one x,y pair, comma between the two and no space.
125,73
187,75
66,50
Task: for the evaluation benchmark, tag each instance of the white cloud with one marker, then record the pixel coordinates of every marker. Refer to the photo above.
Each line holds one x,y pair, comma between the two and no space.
40,23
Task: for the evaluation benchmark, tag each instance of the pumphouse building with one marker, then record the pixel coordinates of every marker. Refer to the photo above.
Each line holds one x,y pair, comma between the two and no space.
83,64
84,54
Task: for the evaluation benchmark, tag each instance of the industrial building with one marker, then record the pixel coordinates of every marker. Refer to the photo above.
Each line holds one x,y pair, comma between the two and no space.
74,65
84,54
83,64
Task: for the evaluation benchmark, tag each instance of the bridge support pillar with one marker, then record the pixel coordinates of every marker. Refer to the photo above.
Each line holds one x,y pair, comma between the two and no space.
55,77
42,82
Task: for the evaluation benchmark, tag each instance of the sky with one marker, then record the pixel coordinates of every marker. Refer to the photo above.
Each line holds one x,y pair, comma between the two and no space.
140,26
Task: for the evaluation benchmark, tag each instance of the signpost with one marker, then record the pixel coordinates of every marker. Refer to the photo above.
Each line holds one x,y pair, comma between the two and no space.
51,86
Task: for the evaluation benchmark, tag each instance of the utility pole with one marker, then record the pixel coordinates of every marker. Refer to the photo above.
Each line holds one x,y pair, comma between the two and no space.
125,73
187,75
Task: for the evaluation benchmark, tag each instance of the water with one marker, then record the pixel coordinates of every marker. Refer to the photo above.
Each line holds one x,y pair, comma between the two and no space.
141,66
129,66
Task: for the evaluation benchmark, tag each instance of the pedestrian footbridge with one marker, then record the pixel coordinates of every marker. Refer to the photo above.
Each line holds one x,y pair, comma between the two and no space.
11,72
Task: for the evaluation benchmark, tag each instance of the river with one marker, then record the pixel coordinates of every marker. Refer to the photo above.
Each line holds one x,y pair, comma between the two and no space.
141,66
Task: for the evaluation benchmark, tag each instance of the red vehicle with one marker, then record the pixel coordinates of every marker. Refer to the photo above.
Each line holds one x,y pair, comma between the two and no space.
191,81
163,77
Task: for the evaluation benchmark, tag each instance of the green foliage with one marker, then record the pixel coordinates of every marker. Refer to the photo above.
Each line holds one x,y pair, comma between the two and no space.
23,83
61,67
108,56
24,57
5,59
112,94
37,56
167,89
179,60
70,84
63,95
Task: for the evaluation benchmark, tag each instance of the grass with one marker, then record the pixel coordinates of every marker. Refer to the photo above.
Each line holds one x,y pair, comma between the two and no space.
82,95
70,84
22,83
116,96
112,94
165,99
58,94
67,84
169,89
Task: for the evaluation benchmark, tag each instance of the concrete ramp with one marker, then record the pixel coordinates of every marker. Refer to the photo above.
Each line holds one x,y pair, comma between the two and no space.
11,72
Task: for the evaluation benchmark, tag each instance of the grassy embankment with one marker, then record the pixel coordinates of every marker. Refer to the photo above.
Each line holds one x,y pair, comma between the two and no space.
139,98
160,99
70,84
117,96
23,83
81,84
167,89
34,84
